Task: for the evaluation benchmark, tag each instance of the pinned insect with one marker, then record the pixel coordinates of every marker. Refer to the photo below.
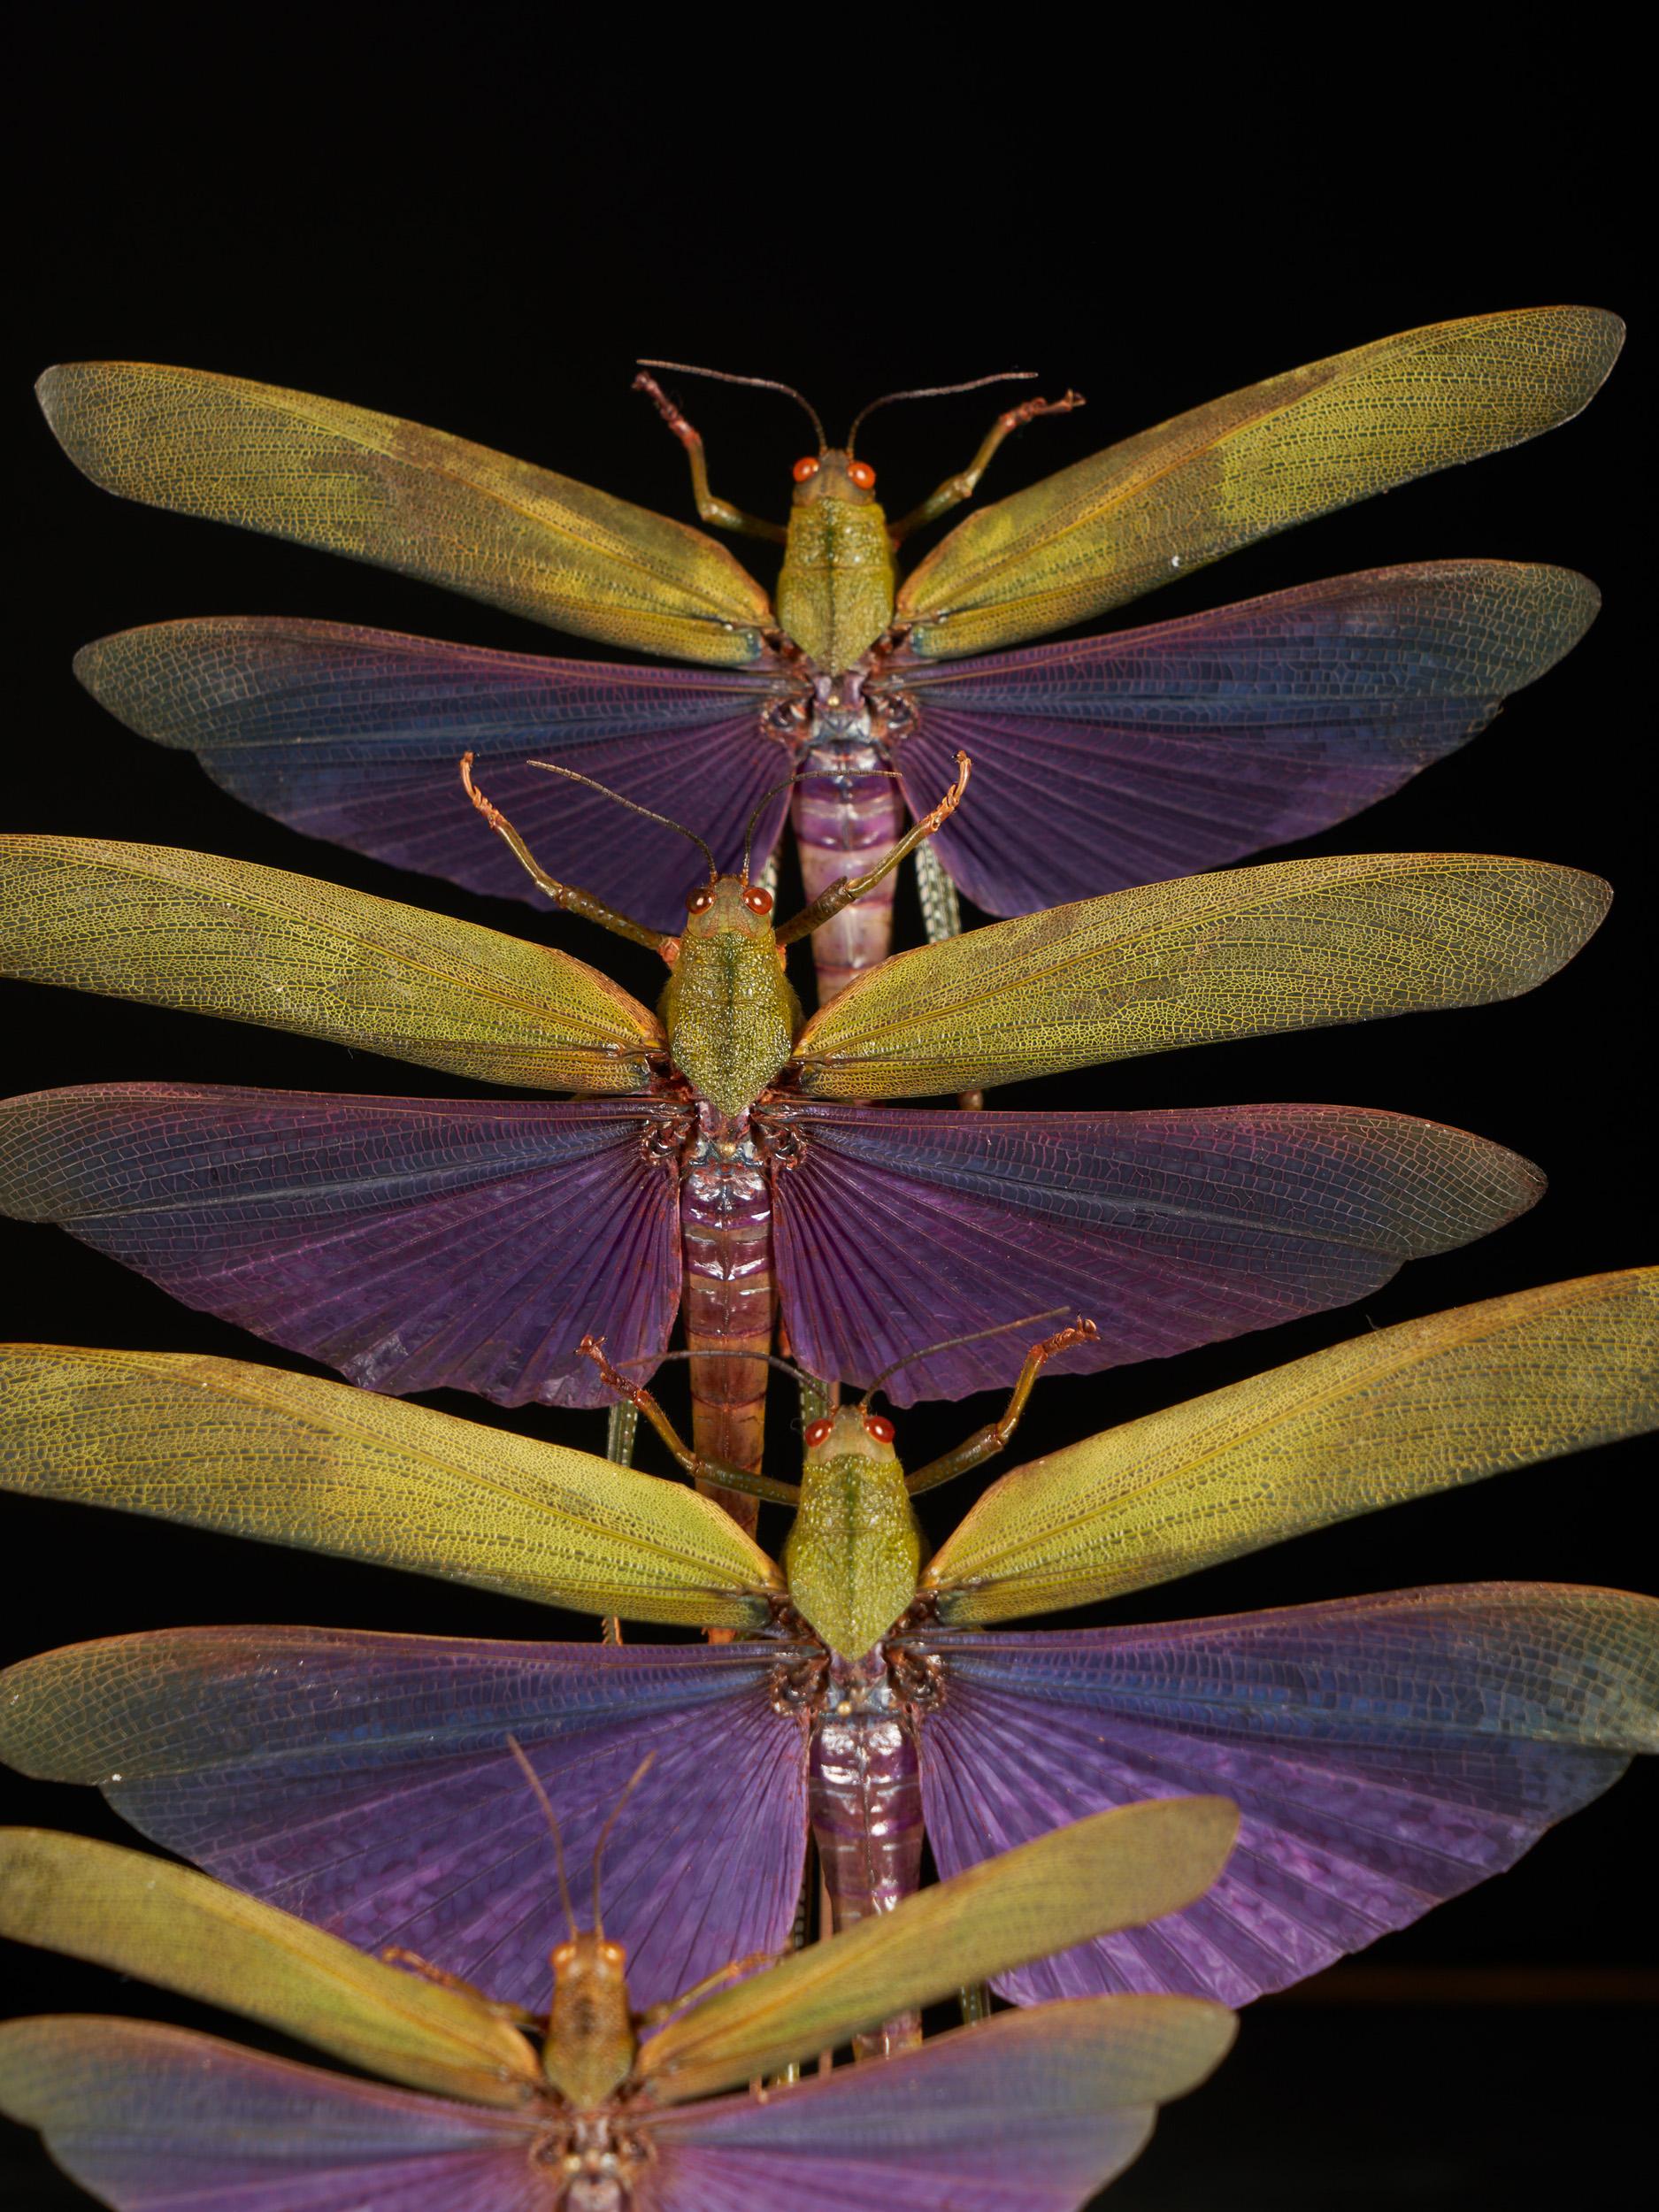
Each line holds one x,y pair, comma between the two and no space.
1386,1752
417,1243
599,2107
1112,762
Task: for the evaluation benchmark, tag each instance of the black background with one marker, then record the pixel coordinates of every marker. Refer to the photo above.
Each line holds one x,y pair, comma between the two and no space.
484,242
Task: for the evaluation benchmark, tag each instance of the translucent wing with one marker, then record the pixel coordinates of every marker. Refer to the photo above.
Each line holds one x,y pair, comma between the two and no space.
1392,1416
1028,2112
254,944
156,2119
1385,1753
414,1244
289,1459
365,1783
1300,944
172,1926
899,1228
1159,505
1156,752
1072,1884
353,735
389,492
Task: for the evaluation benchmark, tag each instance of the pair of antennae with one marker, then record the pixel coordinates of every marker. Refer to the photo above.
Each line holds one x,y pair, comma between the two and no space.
905,1359
771,384
542,1799
552,768
951,1343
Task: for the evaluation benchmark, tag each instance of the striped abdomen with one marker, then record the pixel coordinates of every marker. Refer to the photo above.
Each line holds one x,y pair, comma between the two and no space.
726,1225
847,818
864,1799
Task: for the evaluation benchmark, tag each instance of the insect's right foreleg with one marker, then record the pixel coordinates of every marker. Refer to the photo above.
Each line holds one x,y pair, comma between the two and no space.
719,513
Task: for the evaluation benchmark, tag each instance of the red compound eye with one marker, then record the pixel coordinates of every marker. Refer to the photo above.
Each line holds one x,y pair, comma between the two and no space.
862,475
818,1432
877,1425
700,901
806,469
758,902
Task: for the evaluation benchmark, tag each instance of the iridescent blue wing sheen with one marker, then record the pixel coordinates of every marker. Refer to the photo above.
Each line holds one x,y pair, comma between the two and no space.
365,1783
1159,751
1386,1753
414,1244
355,735
153,2119
896,1228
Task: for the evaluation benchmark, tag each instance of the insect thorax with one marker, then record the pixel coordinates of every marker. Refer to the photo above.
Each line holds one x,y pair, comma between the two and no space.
836,586
730,1013
853,1553
597,2161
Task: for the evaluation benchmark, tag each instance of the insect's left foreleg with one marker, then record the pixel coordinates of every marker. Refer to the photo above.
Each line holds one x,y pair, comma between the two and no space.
986,1442
956,489
845,889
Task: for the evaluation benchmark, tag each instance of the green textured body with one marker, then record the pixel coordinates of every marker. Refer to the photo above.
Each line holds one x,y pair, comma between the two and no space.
854,1554
836,587
730,1013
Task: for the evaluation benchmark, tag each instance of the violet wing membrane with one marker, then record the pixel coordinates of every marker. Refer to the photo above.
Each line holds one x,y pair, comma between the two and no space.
593,2104
1113,762
1386,1751
726,1160
1151,753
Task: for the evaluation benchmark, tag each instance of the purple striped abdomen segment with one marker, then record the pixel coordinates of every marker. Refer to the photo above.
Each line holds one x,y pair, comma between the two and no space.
865,1802
847,818
730,1299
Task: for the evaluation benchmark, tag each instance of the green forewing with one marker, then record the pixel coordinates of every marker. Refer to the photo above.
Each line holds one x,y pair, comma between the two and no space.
1141,513
172,1926
188,930
1115,1870
1298,944
1422,1407
379,489
222,1444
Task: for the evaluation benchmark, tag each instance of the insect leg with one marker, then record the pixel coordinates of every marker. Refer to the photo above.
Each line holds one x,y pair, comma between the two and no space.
986,1442
695,1463
412,1962
845,889
955,489
655,2015
719,512
563,895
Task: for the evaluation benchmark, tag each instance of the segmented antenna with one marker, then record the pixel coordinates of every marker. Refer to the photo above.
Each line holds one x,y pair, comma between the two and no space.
949,1344
545,1802
937,391
552,768
634,1780
761,383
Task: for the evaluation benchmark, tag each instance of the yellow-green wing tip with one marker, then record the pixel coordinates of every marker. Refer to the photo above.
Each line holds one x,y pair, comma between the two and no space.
1558,909
1591,337
1207,1829
58,390
1204,2033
